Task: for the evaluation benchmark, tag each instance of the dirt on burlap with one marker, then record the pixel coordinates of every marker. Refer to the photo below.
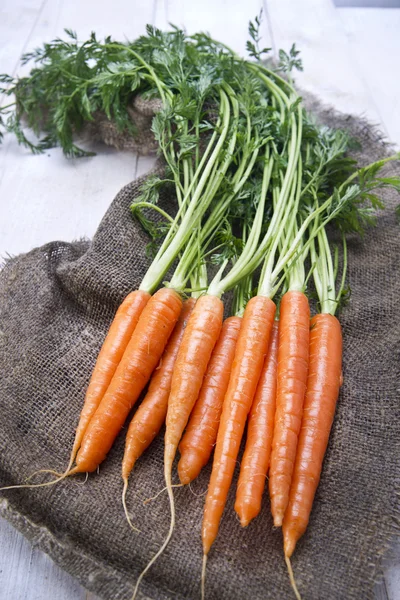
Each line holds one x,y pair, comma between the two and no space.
56,303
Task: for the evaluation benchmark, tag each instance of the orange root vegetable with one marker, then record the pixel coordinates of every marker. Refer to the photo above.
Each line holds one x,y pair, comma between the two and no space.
150,416
251,349
118,336
293,351
140,358
323,384
201,433
199,339
260,429
112,350
194,354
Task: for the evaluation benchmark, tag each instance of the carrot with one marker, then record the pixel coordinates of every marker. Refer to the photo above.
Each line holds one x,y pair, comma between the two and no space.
293,350
199,339
255,462
112,350
251,348
151,414
323,386
118,336
140,358
194,354
201,433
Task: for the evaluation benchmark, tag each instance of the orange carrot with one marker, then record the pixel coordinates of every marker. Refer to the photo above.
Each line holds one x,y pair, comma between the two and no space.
118,336
323,383
151,414
195,351
251,348
260,429
140,358
293,350
199,339
201,433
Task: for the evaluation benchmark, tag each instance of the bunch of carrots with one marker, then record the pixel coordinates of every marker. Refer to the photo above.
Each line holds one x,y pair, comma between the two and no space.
256,182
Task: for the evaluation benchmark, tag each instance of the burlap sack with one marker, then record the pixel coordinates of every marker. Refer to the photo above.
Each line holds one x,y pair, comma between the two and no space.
56,303
141,113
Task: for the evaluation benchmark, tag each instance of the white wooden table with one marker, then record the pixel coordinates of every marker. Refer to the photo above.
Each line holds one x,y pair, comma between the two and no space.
351,60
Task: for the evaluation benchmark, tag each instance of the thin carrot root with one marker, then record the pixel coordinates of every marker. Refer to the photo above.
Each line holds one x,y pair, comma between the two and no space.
37,485
84,481
167,472
175,485
291,577
194,493
56,473
131,525
203,577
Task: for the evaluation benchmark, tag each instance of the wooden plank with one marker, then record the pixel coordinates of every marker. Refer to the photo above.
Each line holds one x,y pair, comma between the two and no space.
47,197
373,36
226,20
17,21
392,575
330,71
26,573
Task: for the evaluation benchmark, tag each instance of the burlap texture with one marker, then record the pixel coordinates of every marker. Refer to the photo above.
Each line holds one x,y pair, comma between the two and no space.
56,303
141,113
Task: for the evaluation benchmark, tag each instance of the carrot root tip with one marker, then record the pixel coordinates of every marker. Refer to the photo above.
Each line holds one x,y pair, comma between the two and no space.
203,577
291,577
175,485
289,545
125,489
38,485
167,474
189,466
56,473
246,512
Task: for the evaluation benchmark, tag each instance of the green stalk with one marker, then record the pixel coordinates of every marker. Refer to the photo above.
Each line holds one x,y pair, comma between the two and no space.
218,286
251,257
324,273
197,206
188,260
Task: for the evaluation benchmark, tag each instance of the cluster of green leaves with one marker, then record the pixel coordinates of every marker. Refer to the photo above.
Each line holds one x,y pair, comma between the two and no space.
357,207
253,45
71,83
68,85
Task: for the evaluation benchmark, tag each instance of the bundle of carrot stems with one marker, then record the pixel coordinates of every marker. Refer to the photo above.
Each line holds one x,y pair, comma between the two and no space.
256,181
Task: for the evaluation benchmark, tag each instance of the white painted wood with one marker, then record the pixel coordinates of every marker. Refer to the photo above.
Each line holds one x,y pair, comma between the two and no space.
47,197
330,70
392,576
374,38
26,573
226,20
119,18
17,20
